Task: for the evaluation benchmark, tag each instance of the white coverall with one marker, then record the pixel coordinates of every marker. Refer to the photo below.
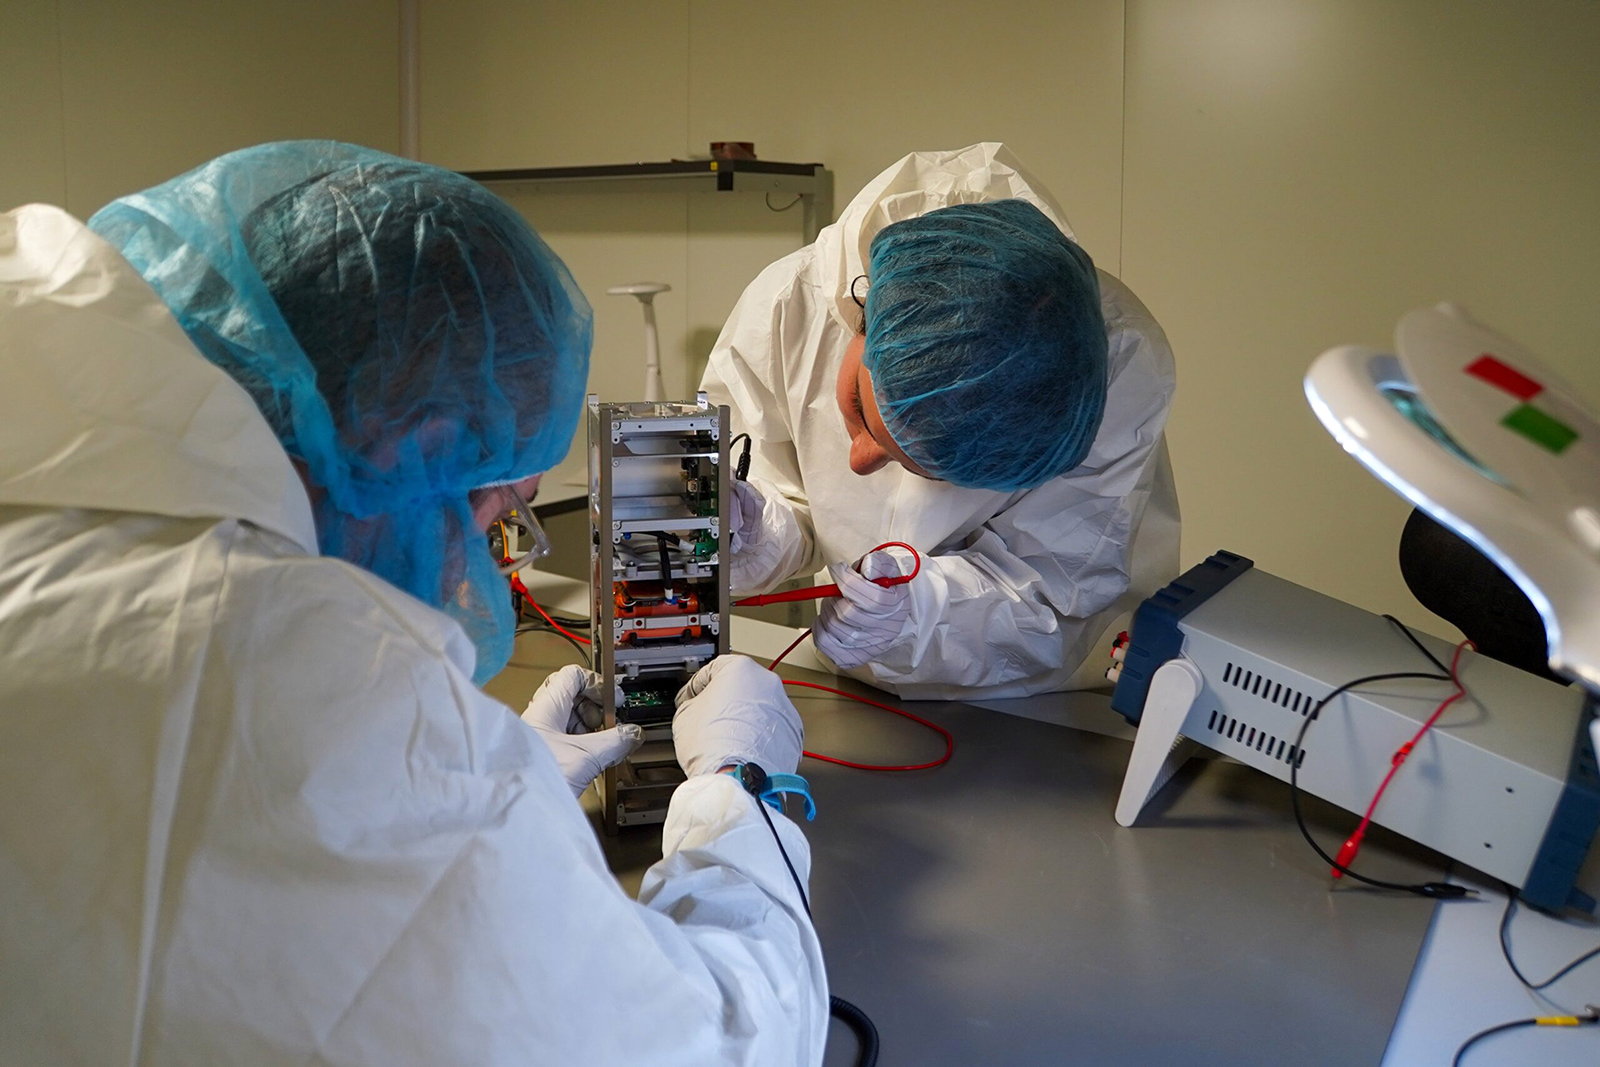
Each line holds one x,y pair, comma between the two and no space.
253,810
1016,588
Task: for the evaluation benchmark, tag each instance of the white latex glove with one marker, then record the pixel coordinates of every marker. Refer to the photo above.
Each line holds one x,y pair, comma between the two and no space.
755,545
867,619
558,712
735,711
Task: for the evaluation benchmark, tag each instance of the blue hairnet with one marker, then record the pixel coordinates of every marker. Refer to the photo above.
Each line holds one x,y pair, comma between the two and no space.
404,331
986,344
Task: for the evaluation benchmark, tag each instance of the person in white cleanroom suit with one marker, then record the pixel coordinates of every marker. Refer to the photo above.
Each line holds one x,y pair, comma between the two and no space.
253,808
941,368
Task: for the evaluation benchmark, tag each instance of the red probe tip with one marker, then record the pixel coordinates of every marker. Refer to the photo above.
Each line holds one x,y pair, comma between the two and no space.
1347,854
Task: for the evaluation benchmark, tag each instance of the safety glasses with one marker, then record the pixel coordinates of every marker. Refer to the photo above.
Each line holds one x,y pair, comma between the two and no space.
509,500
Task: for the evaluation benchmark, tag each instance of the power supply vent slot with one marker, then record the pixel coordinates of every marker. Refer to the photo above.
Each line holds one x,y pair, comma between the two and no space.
1226,726
1273,692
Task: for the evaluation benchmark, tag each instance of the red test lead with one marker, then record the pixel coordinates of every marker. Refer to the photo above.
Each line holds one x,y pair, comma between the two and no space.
820,592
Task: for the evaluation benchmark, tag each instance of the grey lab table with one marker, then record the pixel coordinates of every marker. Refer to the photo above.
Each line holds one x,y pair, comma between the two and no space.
992,912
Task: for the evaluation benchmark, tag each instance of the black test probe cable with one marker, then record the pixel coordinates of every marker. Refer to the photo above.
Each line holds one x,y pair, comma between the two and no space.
1591,1014
838,1007
1442,890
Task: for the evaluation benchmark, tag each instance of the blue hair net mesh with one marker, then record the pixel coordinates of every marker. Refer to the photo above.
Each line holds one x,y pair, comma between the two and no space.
986,344
403,330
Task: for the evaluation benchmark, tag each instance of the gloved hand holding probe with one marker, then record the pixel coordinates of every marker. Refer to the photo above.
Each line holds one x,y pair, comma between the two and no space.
866,619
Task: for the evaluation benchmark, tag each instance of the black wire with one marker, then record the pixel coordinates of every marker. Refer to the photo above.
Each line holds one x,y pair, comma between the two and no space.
535,628
857,1021
1420,646
1515,1024
762,804
841,1009
1490,1032
571,623
1435,890
1432,890
1505,949
798,197
741,469
665,566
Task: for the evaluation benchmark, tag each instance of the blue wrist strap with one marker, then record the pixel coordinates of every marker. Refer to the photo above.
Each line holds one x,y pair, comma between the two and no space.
779,784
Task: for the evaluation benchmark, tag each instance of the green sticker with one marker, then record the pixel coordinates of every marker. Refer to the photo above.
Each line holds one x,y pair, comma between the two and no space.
1540,428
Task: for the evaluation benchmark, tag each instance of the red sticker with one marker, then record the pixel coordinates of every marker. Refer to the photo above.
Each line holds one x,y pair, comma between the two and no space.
1497,374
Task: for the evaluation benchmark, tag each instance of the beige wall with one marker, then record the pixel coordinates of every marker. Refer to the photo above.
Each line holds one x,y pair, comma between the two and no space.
107,98
1273,177
32,163
1300,173
852,85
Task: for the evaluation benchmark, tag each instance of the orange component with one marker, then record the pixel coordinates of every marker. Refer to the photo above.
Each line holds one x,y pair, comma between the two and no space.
646,600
